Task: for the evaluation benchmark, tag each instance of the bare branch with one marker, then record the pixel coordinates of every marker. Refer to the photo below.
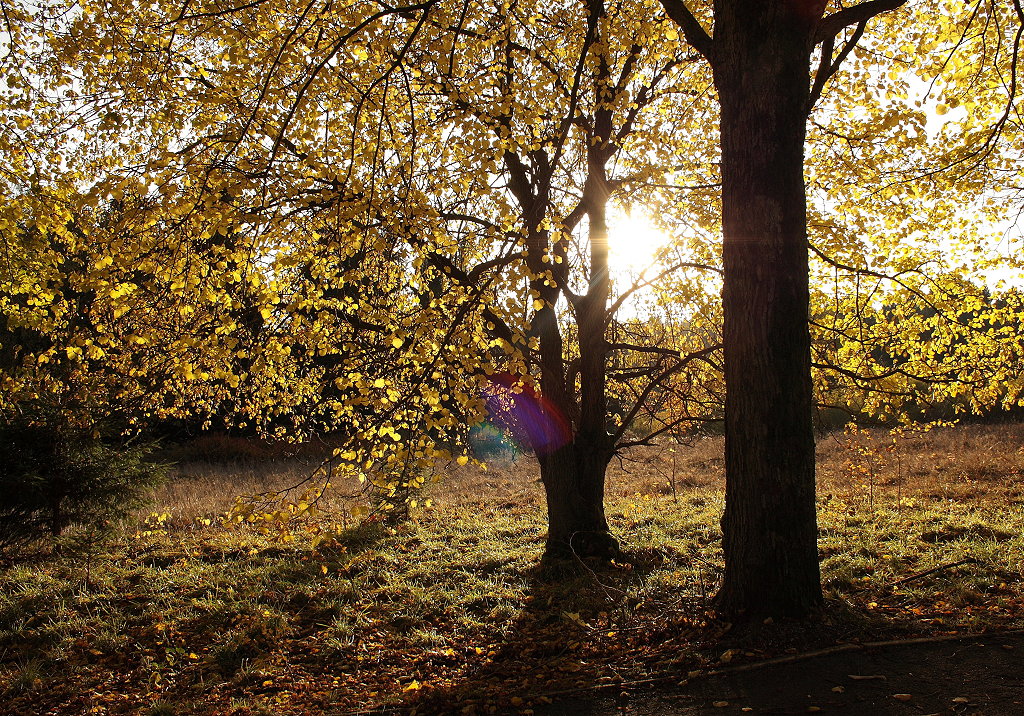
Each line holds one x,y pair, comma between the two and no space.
213,13
646,439
649,388
643,349
643,282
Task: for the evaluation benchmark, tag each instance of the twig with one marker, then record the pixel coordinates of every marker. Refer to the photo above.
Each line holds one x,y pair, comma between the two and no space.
912,577
788,659
933,570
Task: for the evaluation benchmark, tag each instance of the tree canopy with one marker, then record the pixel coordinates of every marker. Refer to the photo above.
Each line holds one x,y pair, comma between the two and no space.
383,221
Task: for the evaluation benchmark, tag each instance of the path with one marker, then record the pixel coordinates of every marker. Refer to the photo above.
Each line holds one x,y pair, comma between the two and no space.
976,676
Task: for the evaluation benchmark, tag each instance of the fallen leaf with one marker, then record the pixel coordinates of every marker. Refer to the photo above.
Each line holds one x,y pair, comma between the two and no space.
902,697
727,656
872,677
720,704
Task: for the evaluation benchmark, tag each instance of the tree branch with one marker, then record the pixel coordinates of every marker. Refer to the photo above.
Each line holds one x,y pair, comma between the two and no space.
643,349
835,23
828,67
697,37
642,282
638,404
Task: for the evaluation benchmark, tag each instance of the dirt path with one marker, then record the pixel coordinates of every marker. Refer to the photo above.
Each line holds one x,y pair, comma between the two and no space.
974,675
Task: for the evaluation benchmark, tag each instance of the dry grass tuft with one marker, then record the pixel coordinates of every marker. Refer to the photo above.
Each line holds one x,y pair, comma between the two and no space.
207,489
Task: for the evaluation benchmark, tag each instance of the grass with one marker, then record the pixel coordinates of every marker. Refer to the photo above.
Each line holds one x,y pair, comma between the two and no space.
918,536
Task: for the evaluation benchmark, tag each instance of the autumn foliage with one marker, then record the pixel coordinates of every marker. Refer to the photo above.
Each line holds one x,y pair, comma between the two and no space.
354,220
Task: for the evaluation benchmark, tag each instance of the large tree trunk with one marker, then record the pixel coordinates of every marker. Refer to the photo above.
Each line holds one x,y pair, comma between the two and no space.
571,444
573,470
761,56
575,456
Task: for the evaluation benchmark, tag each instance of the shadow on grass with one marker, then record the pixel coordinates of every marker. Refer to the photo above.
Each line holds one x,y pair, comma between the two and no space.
568,646
580,629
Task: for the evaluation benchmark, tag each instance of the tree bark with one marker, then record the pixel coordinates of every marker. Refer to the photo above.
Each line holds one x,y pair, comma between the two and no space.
574,478
760,53
573,473
761,56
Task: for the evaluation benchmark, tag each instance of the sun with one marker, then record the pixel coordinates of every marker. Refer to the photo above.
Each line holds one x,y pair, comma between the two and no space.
633,241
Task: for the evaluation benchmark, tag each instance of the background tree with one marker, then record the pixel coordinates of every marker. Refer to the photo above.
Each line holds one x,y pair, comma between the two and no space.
55,476
366,229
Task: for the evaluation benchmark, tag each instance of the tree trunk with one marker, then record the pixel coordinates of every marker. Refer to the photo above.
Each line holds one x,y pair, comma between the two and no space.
573,479
762,51
574,474
573,470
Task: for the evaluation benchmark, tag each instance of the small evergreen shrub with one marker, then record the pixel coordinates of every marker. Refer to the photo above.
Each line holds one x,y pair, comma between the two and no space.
53,477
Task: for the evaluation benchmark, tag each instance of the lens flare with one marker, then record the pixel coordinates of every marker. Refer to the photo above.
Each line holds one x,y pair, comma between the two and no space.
526,415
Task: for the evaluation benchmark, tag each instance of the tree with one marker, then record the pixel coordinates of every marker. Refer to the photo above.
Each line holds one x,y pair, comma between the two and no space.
370,231
55,476
760,54
371,216
567,95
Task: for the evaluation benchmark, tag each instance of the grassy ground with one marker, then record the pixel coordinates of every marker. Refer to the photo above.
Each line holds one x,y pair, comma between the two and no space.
920,534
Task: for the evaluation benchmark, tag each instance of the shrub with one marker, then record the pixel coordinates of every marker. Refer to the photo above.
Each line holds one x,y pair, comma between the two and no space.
54,476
